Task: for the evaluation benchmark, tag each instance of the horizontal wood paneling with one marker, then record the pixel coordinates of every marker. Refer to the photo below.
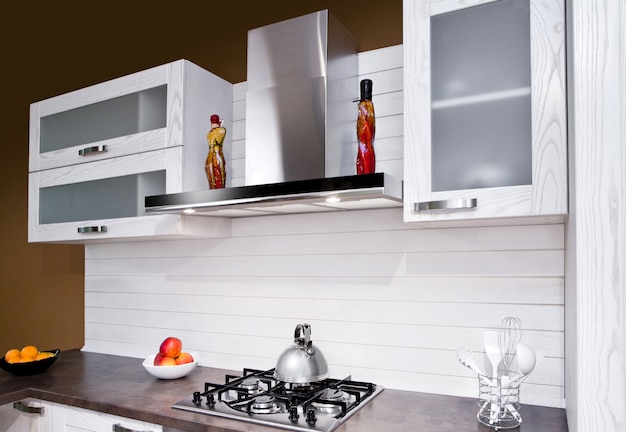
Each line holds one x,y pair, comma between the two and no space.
236,166
396,308
388,302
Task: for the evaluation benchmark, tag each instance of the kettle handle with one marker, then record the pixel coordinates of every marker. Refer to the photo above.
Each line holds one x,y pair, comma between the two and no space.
306,331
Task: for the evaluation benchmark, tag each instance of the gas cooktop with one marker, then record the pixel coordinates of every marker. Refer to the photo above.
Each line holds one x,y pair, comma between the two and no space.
256,396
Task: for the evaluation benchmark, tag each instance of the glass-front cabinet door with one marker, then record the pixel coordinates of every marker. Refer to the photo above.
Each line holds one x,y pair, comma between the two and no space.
484,109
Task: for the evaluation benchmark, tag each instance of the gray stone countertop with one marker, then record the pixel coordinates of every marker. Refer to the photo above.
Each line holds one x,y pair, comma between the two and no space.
121,386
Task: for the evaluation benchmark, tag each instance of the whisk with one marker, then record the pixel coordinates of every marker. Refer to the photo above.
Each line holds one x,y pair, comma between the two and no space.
509,336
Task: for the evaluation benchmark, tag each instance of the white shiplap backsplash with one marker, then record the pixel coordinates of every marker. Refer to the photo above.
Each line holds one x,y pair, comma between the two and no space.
388,302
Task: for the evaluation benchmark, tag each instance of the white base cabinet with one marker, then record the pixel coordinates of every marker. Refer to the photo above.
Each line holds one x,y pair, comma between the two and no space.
72,419
28,415
33,415
96,153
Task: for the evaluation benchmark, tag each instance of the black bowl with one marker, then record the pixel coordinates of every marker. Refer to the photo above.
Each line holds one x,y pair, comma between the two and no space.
32,367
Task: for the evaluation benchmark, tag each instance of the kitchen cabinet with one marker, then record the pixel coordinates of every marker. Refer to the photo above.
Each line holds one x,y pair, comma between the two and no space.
95,153
73,419
484,110
28,415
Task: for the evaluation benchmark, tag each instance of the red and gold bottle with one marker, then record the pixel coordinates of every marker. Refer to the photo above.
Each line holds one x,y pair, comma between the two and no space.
365,131
215,164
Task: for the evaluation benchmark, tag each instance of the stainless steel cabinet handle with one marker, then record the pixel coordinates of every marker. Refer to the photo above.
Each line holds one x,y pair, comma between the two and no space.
27,409
452,204
94,149
119,428
92,229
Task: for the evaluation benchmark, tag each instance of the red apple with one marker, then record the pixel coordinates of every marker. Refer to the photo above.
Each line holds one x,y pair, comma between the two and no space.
161,360
171,347
184,357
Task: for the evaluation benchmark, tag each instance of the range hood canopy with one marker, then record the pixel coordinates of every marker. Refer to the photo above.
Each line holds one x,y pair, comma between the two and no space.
356,192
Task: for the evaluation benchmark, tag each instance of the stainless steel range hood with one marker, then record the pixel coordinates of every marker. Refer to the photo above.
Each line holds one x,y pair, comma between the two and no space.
300,143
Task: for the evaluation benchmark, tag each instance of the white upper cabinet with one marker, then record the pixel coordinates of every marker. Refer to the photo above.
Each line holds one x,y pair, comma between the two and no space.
97,152
484,110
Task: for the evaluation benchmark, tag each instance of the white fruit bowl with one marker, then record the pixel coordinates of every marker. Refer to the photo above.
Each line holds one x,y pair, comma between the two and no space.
170,372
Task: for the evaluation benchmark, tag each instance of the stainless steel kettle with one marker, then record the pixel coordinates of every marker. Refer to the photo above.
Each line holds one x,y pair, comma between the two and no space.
301,363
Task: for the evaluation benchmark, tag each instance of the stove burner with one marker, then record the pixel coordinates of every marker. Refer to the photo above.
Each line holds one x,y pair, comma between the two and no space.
334,394
251,384
263,404
301,387
330,401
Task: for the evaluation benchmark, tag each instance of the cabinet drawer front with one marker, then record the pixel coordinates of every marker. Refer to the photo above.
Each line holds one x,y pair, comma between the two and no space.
105,200
87,200
82,420
131,111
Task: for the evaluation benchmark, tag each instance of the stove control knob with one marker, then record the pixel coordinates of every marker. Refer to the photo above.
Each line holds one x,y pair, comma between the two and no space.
210,400
196,398
293,414
310,417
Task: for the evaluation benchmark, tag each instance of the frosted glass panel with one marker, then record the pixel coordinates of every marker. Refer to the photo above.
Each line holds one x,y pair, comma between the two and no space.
120,116
109,198
480,92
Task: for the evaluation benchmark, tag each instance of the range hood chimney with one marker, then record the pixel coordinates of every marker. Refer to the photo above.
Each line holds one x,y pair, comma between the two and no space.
302,80
300,145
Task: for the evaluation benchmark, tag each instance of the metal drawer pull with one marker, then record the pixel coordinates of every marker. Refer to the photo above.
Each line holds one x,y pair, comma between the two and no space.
92,229
94,149
119,428
27,409
452,204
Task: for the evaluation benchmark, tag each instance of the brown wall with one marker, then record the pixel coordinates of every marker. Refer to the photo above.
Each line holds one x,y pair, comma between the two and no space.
50,50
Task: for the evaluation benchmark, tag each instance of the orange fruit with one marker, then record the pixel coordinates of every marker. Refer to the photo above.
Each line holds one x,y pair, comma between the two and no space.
43,355
11,355
29,352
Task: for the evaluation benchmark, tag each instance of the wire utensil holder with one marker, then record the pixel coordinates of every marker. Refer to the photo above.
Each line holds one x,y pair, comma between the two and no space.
498,402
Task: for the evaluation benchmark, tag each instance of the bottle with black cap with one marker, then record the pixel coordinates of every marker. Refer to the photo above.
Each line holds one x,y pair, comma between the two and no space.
365,131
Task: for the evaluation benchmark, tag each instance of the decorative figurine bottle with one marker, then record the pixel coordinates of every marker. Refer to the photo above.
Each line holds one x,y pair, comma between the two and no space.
365,131
215,164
